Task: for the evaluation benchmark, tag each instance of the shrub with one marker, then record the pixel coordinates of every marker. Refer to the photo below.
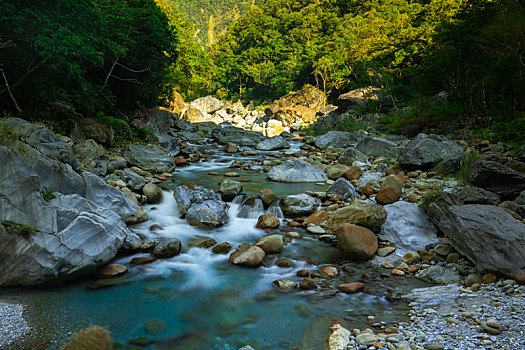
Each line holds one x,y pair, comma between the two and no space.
91,338
470,158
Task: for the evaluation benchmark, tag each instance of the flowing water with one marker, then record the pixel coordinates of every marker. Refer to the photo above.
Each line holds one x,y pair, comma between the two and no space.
197,300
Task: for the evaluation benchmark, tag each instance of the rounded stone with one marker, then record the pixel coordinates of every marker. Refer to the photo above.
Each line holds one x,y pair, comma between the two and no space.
352,287
111,270
388,195
268,221
166,248
222,248
356,242
251,256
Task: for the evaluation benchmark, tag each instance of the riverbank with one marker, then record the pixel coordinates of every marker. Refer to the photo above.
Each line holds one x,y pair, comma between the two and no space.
13,325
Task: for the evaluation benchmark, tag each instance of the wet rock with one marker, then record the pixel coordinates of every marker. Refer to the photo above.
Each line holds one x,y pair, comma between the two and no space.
111,270
296,171
272,244
424,151
92,157
284,284
329,271
476,195
316,218
358,213
336,171
299,205
284,263
497,178
377,146
147,158
251,256
222,248
166,248
152,192
272,144
201,206
388,195
229,189
155,326
344,188
267,196
108,283
356,242
132,244
490,237
141,261
268,221
339,337
134,180
439,275
203,243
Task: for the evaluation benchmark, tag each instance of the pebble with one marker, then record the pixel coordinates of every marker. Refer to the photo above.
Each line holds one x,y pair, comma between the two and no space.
13,326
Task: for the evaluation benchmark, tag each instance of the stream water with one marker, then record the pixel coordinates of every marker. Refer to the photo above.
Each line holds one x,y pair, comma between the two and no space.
197,300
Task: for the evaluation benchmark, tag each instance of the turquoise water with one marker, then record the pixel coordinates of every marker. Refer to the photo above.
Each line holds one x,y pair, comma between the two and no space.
197,300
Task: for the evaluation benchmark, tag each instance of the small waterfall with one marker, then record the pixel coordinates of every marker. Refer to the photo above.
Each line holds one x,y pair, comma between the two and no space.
251,208
276,210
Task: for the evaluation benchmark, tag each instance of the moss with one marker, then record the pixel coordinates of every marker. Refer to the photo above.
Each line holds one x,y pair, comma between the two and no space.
19,228
48,195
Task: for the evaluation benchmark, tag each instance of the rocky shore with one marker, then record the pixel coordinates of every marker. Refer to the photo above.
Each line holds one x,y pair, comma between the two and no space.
67,204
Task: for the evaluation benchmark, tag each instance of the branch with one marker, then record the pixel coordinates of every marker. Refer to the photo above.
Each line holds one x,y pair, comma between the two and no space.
9,90
26,74
133,71
126,79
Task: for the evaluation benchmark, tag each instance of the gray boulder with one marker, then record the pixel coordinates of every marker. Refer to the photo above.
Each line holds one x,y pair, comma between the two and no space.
488,236
377,146
296,171
147,158
166,248
240,137
350,155
439,275
342,187
134,180
339,139
92,157
106,196
201,206
229,189
299,205
272,144
159,122
208,104
408,227
190,136
497,178
476,195
171,144
440,205
425,151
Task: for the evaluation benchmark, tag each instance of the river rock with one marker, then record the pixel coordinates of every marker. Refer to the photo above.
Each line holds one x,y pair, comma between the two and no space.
353,173
352,287
272,144
238,136
336,171
272,244
316,218
299,205
497,178
339,337
251,256
229,189
134,180
92,157
425,151
222,248
186,196
408,227
356,242
166,248
439,275
268,221
152,192
151,159
296,171
339,139
367,339
351,155
132,244
284,284
209,213
377,146
476,195
488,236
343,188
388,195
267,196
104,195
111,270
358,213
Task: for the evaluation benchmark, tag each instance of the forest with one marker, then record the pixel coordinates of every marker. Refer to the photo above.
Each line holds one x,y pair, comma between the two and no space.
110,57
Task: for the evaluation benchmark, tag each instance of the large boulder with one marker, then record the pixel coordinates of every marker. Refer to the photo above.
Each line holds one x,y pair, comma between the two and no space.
272,244
296,171
299,205
52,159
476,195
229,189
44,242
426,151
240,137
356,242
92,157
106,196
488,236
295,115
343,188
359,97
308,97
496,178
207,104
377,146
201,206
351,155
440,205
193,114
339,139
358,213
408,227
272,144
149,158
252,256
158,121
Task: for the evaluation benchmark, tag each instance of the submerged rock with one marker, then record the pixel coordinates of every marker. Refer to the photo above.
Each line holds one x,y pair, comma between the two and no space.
296,171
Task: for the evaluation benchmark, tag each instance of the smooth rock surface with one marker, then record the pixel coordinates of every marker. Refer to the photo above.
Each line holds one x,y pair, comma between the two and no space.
296,171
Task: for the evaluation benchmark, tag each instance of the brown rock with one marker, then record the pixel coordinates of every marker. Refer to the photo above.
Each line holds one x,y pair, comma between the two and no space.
222,248
356,242
268,221
111,270
388,195
520,279
329,271
267,196
368,191
354,173
489,278
141,261
252,256
316,218
353,287
271,244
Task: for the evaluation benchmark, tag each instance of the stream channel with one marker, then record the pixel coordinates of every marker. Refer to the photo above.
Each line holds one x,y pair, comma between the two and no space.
197,300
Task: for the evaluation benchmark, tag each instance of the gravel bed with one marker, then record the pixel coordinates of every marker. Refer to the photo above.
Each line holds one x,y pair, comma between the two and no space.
454,318
13,326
